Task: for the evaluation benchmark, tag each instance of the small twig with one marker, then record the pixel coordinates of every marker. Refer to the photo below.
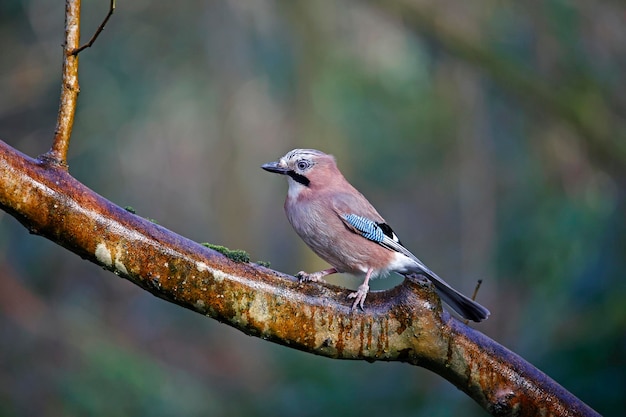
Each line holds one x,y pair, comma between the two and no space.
98,31
57,155
478,284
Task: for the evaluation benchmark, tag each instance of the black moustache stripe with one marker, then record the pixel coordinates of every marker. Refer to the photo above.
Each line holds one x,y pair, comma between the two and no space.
299,178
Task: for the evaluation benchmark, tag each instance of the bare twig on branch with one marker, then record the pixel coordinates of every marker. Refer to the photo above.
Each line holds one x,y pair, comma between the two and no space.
98,31
57,155
403,324
70,88
477,288
475,294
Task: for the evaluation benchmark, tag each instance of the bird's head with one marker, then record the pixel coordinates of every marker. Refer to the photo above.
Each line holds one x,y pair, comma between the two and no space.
305,168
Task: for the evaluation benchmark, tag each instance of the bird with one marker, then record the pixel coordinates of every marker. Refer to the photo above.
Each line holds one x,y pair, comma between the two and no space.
341,226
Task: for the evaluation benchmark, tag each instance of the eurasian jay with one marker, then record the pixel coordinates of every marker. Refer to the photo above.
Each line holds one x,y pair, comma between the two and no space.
343,228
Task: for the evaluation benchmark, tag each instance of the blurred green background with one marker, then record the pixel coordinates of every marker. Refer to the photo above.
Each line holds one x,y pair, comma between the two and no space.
491,136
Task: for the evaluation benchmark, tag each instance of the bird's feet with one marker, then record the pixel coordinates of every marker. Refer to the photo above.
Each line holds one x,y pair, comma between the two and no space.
359,296
315,276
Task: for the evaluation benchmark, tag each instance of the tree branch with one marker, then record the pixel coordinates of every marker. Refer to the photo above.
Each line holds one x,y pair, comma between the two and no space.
98,30
57,155
403,324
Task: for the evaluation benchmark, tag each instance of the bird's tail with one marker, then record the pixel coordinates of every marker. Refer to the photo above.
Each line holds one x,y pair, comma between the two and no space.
465,306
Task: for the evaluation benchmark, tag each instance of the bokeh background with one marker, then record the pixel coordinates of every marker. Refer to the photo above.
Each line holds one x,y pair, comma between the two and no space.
491,135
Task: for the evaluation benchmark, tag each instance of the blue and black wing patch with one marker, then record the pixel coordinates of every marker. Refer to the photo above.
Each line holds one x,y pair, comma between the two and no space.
382,234
388,231
369,229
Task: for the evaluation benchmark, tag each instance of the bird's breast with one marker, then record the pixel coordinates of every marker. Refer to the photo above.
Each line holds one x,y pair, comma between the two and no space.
325,233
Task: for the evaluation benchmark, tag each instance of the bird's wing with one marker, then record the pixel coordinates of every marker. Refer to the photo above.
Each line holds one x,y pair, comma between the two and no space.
353,202
378,232
382,234
361,217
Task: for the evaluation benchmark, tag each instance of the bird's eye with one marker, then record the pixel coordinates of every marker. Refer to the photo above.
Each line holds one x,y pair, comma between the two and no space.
302,165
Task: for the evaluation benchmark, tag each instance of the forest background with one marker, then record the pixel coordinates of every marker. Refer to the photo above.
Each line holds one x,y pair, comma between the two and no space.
490,135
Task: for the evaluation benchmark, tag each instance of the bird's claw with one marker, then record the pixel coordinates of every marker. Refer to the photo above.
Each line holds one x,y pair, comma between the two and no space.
359,296
313,277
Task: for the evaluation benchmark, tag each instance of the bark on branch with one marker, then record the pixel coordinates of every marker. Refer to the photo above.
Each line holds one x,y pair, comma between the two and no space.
403,324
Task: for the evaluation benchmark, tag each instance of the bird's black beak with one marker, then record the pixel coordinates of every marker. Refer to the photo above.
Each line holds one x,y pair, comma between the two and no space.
275,167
